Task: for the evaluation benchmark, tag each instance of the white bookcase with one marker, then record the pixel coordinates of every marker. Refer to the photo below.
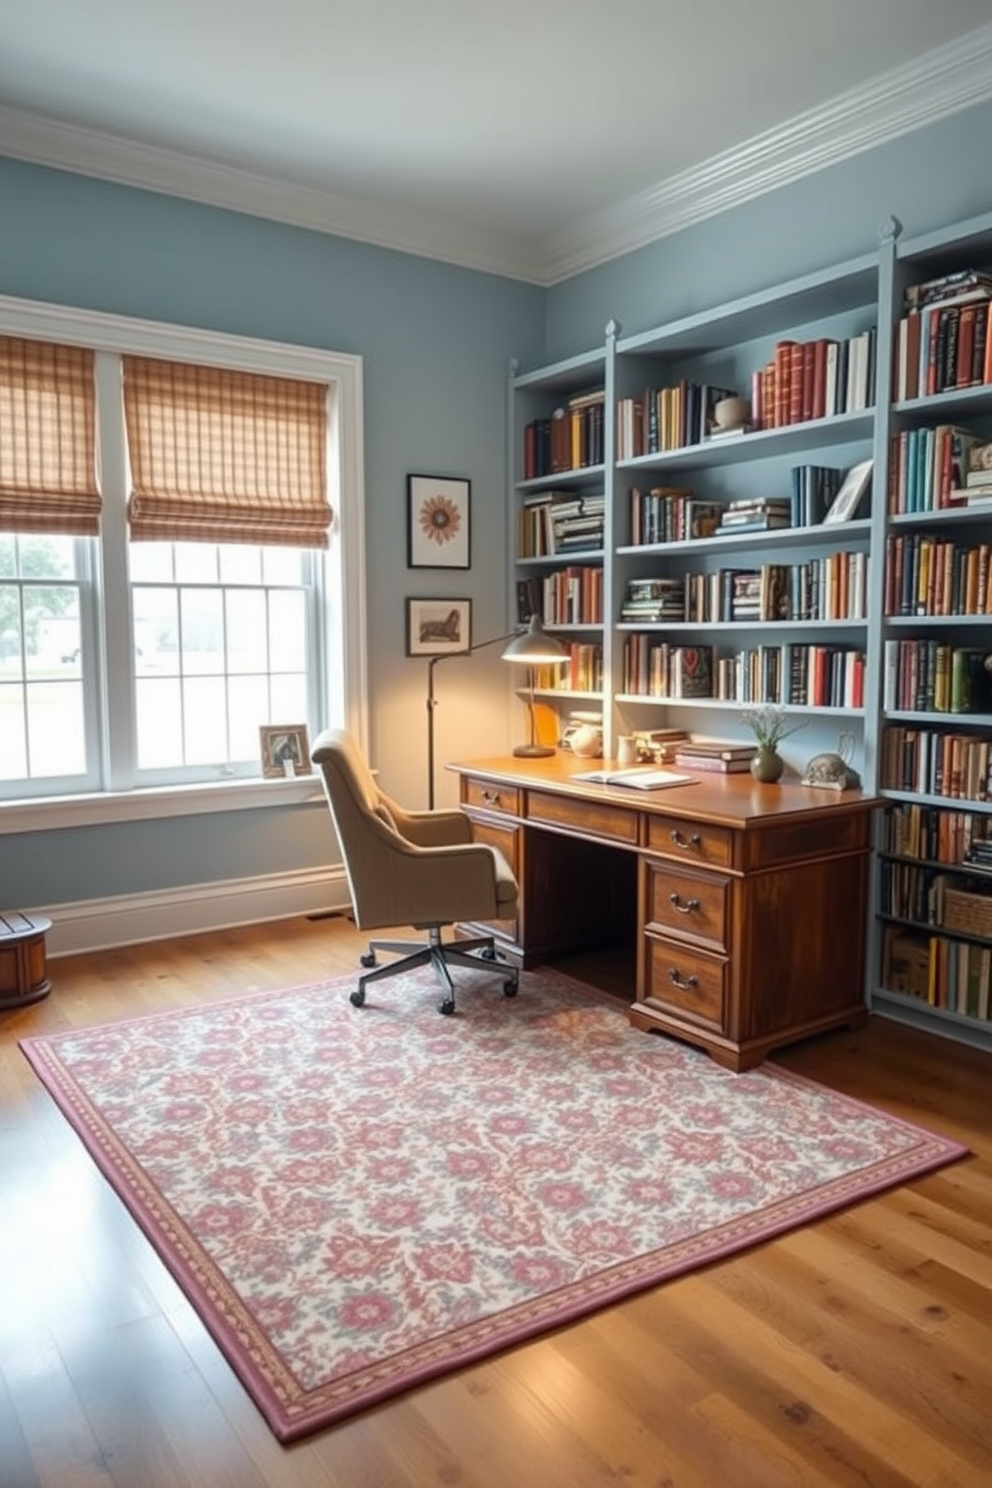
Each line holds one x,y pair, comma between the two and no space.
847,634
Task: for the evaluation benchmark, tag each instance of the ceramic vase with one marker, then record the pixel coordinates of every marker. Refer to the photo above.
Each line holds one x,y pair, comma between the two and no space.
767,766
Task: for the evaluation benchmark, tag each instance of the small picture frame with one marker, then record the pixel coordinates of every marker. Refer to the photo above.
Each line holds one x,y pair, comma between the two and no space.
438,627
848,498
285,751
438,522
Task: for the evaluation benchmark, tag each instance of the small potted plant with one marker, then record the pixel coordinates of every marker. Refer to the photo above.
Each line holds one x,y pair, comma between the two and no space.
769,725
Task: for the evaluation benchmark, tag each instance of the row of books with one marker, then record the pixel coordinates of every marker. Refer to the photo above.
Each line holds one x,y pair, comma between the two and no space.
912,830
944,973
570,438
932,676
943,345
932,469
832,587
814,379
670,514
930,762
583,671
667,418
927,576
804,675
558,523
569,596
930,895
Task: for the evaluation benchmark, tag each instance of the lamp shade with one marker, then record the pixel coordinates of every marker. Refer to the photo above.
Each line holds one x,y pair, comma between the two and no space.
534,646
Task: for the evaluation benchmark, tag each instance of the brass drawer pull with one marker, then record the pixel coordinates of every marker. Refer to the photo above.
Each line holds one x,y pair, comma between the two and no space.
491,798
685,984
694,841
675,900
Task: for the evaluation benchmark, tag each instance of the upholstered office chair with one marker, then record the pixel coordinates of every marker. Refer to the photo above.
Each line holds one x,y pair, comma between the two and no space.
418,868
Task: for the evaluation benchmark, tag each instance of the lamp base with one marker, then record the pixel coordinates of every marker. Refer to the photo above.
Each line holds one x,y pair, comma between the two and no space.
533,751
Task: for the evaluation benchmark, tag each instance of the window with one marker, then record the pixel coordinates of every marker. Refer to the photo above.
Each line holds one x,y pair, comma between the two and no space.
146,648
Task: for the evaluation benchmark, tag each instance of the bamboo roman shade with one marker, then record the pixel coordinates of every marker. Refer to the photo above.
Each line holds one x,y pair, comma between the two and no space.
47,439
223,456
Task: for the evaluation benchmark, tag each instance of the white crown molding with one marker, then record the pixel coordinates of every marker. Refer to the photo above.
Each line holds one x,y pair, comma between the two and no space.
90,152
939,83
933,86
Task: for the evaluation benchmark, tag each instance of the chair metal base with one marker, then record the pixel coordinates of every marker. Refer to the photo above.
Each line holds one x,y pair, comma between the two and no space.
478,954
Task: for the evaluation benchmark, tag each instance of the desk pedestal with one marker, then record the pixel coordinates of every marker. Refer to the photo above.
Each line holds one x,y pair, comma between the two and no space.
748,902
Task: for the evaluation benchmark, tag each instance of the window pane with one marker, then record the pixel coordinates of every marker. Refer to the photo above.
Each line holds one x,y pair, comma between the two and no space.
240,563
8,556
51,628
248,702
289,699
150,563
285,565
287,631
159,723
246,630
205,721
202,629
13,738
56,737
196,563
156,630
10,631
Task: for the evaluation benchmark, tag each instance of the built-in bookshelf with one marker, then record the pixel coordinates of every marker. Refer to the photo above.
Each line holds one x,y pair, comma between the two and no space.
831,555
932,948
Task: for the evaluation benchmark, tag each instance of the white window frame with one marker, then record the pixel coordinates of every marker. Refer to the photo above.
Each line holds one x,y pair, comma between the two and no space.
343,683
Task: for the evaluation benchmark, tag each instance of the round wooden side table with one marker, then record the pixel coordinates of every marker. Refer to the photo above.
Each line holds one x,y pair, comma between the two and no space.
23,975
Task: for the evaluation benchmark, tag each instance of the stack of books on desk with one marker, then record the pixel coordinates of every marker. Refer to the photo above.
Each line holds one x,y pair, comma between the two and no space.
720,755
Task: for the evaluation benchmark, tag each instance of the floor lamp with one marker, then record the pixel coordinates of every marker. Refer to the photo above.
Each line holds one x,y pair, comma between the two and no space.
531,647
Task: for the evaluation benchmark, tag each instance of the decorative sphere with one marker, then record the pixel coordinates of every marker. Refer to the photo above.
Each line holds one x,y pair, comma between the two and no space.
731,413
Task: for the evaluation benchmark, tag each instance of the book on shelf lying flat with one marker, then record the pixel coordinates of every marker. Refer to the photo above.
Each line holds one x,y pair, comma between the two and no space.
641,778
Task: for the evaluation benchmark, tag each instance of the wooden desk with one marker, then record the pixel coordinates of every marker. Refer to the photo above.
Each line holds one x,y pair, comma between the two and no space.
749,902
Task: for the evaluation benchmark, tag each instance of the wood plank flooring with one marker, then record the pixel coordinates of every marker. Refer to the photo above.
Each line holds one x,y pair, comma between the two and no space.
855,1352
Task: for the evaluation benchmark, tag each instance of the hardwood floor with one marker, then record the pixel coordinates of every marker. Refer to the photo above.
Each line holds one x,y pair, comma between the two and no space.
854,1352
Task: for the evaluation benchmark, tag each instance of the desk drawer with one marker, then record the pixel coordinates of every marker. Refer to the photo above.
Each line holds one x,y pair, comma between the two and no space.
587,817
691,905
691,841
486,795
685,982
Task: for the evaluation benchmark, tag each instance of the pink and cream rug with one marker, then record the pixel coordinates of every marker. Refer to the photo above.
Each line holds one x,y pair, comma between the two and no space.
358,1200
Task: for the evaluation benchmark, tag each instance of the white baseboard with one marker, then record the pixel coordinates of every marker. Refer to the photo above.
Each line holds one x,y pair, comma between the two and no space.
129,919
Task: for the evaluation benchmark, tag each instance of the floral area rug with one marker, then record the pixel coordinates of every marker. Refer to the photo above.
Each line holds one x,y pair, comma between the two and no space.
358,1200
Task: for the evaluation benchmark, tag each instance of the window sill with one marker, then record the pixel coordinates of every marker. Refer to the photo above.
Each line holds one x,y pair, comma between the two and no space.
99,808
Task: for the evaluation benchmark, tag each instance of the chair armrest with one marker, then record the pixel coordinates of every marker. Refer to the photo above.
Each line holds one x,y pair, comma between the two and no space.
429,828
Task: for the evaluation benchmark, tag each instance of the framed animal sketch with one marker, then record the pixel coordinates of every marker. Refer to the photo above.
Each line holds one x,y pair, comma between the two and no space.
438,627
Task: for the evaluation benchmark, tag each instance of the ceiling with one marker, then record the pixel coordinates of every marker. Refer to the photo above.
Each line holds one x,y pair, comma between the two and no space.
531,137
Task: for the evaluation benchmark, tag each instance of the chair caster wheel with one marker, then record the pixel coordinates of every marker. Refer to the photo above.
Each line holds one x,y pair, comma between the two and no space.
488,953
368,959
357,998
447,1007
509,989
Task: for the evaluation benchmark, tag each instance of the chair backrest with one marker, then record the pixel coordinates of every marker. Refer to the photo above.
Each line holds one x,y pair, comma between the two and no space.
412,869
364,827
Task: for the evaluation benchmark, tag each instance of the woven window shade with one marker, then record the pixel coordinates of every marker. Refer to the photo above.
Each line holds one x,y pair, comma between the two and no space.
221,456
47,439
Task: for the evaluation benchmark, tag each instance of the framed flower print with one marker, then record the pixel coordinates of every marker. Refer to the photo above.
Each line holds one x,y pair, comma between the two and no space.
438,522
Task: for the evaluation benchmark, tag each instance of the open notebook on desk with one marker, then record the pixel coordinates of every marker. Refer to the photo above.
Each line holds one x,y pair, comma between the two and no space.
641,777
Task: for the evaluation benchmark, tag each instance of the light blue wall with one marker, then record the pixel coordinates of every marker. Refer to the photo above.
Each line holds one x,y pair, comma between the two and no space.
436,343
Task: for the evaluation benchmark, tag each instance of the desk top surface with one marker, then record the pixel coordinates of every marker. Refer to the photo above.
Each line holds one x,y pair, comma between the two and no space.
734,799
